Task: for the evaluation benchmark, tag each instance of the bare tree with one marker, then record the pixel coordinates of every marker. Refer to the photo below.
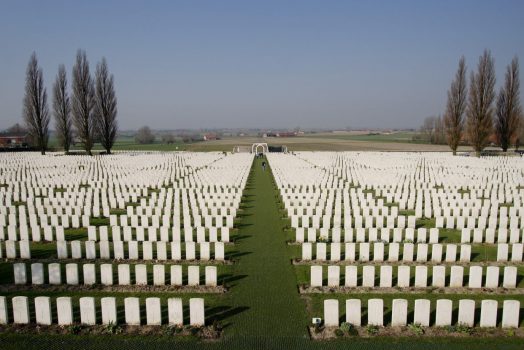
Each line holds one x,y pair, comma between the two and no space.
508,107
480,103
36,111
519,137
105,106
439,134
455,107
83,101
144,135
428,129
168,138
62,110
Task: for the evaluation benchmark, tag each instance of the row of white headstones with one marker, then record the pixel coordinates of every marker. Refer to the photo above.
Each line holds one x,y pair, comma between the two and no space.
331,194
191,181
422,312
108,305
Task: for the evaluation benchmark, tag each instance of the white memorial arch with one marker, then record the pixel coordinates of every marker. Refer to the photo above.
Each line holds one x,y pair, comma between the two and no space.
255,147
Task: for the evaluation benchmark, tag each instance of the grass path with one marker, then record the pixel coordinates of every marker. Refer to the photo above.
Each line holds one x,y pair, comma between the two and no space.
267,290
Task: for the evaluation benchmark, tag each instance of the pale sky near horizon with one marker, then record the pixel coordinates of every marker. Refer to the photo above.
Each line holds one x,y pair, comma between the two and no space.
261,64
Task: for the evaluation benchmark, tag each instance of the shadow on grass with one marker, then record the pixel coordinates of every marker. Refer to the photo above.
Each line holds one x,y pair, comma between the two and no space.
222,313
236,254
228,279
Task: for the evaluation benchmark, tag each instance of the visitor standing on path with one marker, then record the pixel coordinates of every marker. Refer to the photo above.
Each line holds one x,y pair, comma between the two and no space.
264,166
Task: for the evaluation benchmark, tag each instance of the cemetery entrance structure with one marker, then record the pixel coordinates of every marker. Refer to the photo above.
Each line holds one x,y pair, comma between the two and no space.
255,148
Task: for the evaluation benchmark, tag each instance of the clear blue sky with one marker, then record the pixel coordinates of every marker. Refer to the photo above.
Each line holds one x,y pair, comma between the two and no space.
220,63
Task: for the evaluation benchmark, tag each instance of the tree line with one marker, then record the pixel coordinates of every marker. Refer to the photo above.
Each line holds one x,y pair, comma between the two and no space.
477,114
88,111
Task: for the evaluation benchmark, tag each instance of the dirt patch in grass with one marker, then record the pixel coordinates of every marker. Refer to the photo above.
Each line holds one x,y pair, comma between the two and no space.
327,333
408,263
125,261
207,332
111,289
428,290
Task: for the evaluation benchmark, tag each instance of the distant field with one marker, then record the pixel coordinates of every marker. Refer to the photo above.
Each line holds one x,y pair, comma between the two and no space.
327,142
350,141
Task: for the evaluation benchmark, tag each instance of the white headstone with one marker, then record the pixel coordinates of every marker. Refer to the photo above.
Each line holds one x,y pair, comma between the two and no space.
510,277
147,250
439,276
153,312
466,315
132,311
510,314
72,274
176,275
219,251
492,277
407,254
37,273
211,276
87,310
436,252
443,312
64,310
159,275
354,312
175,311
403,276
368,276
190,251
3,310
386,276
456,277
19,273
351,276
376,312
55,274
20,310
109,314
331,313
193,275
196,312
394,249
106,274
475,277
421,276
43,311
399,312
141,274
488,313
451,253
422,312
363,252
124,275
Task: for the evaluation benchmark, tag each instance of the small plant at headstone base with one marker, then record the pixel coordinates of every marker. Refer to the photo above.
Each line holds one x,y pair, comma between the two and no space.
339,333
74,329
372,329
348,328
416,328
510,332
463,329
169,330
112,328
